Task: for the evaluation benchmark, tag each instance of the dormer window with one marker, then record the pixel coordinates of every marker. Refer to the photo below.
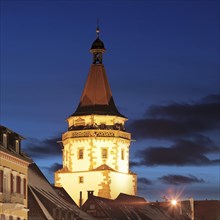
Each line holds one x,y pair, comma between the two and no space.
17,145
10,139
5,137
79,122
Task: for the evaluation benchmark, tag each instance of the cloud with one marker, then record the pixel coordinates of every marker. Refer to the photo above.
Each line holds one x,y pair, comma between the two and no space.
144,181
179,179
192,151
54,167
43,148
178,119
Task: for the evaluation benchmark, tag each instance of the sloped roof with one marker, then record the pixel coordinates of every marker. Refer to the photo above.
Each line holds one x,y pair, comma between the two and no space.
127,207
97,96
63,194
45,202
130,199
35,212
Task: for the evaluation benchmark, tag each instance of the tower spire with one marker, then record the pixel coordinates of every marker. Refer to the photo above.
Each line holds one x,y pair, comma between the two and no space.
97,96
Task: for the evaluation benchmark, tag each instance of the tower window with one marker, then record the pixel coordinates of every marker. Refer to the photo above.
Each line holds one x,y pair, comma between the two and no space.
80,154
122,154
104,153
81,179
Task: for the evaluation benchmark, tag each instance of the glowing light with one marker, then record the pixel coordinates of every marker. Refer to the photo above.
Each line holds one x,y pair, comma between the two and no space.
173,202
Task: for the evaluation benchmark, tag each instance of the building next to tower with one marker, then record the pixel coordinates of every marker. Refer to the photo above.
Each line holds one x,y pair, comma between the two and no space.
96,145
13,176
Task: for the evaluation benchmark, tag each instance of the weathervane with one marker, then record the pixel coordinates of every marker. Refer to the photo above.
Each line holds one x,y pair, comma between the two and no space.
97,29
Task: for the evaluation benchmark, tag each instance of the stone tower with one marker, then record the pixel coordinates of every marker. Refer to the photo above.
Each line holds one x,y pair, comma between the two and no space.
96,145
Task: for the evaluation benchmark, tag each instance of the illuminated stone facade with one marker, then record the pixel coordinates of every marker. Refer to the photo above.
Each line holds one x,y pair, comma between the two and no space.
13,177
96,145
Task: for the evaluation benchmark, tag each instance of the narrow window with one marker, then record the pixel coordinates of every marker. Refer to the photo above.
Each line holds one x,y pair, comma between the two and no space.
12,183
18,184
1,180
104,153
122,154
81,180
80,154
24,185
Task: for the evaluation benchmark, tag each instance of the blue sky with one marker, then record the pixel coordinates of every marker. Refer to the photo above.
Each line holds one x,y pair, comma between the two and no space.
162,63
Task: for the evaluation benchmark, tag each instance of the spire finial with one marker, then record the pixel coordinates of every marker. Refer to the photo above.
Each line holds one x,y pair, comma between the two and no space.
97,29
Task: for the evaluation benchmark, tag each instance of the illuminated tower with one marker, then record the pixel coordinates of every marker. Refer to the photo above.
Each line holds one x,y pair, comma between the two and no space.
96,145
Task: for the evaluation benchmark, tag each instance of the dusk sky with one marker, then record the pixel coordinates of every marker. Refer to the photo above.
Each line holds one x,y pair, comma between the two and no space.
162,63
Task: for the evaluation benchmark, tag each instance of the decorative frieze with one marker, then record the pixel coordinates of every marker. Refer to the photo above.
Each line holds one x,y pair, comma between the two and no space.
96,133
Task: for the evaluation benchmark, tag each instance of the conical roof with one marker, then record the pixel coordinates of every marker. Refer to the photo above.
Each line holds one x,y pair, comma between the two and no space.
97,96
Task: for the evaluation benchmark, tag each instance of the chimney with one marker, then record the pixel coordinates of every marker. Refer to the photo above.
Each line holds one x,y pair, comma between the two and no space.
90,193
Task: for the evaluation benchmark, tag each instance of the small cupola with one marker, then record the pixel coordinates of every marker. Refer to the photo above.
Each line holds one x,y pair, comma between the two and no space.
97,49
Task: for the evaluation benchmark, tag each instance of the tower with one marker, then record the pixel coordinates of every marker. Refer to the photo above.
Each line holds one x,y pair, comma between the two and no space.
96,145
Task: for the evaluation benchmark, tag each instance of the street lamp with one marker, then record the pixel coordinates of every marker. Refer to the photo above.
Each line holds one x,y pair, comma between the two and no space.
174,202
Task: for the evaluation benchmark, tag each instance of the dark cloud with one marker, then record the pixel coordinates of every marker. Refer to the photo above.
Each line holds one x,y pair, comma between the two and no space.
211,98
144,181
54,167
133,163
179,179
184,152
43,148
178,119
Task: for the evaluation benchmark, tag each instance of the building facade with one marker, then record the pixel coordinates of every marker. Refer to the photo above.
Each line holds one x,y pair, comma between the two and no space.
96,145
13,176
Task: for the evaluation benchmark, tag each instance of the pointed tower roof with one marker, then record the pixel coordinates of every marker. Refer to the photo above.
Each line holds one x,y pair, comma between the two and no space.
97,96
